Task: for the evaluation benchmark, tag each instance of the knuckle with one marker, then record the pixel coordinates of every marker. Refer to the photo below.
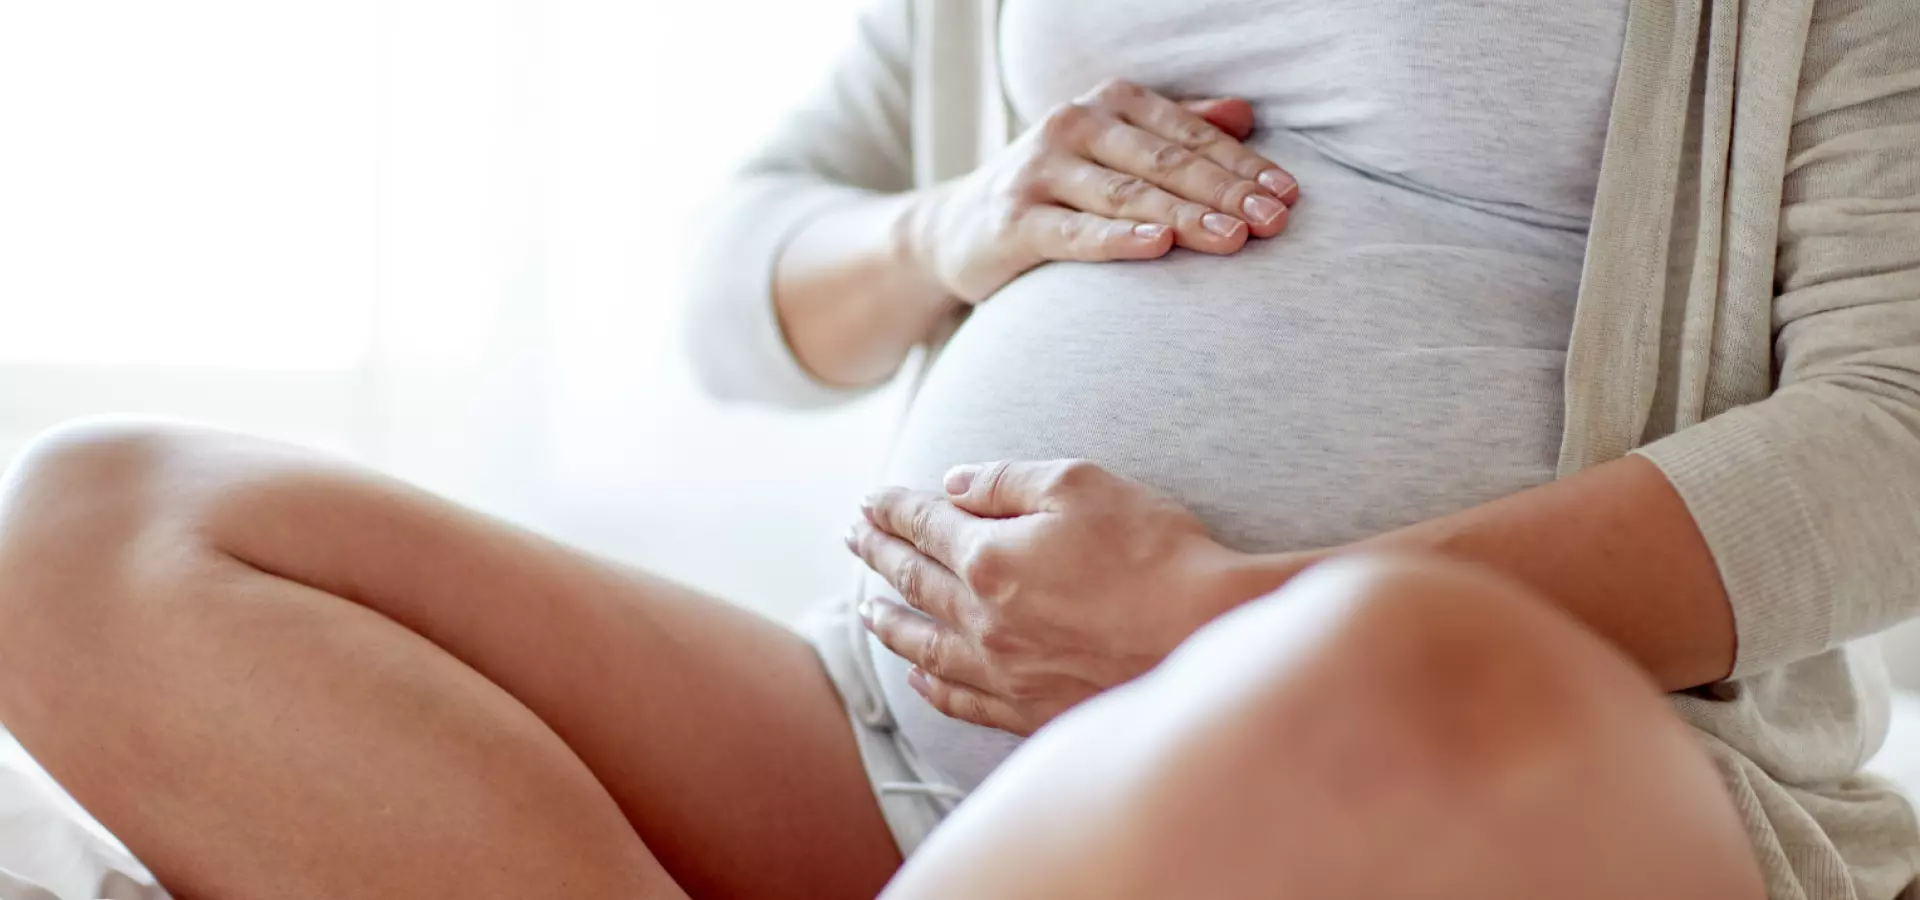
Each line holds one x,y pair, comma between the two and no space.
1119,91
1064,123
1073,475
919,522
1245,164
996,640
1188,214
935,658
1070,229
1124,191
1229,192
991,482
986,570
909,579
1197,135
965,705
1167,159
1029,174
1024,690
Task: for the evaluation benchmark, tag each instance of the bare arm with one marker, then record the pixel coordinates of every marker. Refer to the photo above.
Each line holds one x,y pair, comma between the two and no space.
851,294
1614,546
1809,498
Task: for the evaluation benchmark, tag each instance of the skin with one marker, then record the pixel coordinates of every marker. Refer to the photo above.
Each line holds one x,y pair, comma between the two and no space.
274,675
1044,583
1383,727
303,680
1119,174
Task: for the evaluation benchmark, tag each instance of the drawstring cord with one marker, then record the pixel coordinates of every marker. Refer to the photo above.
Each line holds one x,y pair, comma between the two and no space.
944,792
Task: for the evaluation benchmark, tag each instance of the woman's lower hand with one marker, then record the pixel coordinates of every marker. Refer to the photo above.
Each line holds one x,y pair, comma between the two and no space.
1037,585
1121,173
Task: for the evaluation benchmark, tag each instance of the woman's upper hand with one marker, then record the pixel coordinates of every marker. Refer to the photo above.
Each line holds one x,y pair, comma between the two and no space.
1121,173
1037,585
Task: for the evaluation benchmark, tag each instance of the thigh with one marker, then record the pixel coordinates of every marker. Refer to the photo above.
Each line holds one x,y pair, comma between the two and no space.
1398,729
717,732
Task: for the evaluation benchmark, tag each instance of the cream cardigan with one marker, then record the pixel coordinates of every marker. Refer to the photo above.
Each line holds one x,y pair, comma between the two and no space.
1748,319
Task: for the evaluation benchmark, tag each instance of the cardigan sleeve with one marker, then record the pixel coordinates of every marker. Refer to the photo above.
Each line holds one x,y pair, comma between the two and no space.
850,140
1810,499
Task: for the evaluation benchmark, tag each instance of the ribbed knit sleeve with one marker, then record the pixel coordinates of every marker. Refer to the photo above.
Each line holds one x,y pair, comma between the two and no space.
1810,499
851,140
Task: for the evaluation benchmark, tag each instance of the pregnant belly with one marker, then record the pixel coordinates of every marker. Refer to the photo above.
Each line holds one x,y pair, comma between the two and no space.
1307,393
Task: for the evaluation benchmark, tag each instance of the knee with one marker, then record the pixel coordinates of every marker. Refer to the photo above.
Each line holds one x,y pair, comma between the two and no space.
86,464
1455,675
80,493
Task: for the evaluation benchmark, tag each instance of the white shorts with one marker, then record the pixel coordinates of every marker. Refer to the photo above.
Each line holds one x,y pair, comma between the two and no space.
912,798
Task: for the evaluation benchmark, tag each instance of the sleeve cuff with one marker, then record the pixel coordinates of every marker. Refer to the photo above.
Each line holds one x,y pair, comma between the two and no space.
1773,561
733,332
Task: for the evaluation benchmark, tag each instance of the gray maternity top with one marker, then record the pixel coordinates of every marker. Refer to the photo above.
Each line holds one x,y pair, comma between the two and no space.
1394,356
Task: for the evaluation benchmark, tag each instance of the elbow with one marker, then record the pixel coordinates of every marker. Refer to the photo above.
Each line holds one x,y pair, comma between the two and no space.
737,358
1875,403
727,304
730,329
714,356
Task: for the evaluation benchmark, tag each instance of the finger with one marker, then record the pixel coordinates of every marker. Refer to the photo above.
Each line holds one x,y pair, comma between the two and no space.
1059,233
1001,490
1230,114
1234,118
967,704
924,584
1238,201
1214,128
1190,132
1097,189
926,520
925,643
1194,130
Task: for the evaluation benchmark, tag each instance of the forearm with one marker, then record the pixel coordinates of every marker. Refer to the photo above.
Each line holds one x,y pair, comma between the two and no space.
1614,546
852,294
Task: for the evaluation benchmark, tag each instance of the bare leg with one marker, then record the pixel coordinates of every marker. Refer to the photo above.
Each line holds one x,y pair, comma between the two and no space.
274,676
1381,729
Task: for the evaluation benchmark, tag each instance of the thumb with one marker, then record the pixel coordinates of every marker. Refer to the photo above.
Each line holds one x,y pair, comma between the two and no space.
1229,114
1003,490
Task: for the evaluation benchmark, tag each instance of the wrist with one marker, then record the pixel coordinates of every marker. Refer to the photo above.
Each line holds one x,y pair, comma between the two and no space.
913,238
1236,577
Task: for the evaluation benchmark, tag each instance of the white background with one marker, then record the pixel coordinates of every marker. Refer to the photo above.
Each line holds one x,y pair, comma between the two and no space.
441,236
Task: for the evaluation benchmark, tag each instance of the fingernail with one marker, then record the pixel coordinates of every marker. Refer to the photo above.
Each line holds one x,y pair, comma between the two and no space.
866,611
1222,225
960,478
1280,183
851,537
1149,232
917,679
1261,208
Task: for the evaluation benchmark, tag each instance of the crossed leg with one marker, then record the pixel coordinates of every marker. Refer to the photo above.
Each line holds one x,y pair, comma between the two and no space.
1379,728
276,676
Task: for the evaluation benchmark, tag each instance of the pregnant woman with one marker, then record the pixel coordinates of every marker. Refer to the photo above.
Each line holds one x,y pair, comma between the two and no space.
1376,448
